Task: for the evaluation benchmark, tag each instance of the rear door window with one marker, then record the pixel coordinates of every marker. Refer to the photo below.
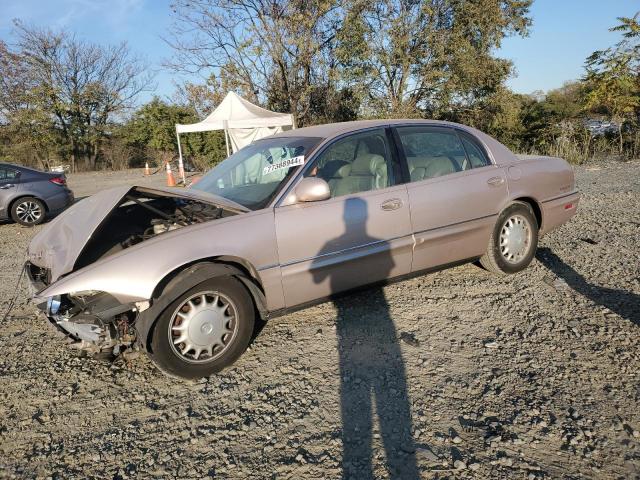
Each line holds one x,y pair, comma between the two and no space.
8,174
476,155
432,152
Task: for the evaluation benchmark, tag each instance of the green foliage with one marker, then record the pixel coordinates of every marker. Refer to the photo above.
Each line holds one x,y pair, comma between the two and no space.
60,95
67,101
426,58
153,125
613,78
151,131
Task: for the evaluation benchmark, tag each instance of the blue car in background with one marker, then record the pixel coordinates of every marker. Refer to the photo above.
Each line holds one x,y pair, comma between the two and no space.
28,195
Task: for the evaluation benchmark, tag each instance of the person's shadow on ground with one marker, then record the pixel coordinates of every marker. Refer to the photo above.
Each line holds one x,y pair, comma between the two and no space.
372,371
624,303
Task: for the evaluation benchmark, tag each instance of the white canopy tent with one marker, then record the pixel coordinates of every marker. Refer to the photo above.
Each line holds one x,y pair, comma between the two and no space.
242,122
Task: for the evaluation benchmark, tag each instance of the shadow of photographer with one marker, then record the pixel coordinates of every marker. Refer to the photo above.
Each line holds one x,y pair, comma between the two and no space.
372,371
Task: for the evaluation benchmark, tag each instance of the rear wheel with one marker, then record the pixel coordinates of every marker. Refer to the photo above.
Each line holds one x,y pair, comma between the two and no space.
204,329
28,211
514,240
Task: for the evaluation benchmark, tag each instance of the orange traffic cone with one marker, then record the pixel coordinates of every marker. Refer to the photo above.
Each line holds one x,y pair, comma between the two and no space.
195,180
147,170
171,182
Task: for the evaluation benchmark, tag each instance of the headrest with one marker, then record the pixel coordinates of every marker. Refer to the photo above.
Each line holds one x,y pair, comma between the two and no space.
336,169
424,161
439,166
373,144
366,164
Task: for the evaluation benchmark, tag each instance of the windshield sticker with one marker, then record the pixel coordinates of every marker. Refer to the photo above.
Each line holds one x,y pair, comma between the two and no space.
289,162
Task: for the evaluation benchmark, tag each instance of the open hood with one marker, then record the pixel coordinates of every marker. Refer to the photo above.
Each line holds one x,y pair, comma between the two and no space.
58,246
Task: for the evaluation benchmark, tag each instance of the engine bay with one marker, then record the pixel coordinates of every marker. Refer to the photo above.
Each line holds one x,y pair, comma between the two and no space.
141,216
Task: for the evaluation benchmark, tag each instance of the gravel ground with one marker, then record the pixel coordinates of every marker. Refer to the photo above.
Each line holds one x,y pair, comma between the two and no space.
455,374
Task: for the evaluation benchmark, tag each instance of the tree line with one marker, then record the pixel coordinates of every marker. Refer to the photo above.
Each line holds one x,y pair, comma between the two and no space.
68,101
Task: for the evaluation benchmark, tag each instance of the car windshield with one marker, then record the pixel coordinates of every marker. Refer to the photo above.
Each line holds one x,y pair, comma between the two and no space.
254,175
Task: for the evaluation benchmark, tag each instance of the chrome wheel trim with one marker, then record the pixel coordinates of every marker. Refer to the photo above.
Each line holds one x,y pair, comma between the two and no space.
203,326
29,211
515,239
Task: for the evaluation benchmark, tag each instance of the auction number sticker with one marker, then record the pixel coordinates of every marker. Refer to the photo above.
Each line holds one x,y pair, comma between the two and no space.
289,162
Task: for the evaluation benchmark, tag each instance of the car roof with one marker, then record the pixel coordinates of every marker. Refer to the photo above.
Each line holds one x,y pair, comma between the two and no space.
10,165
499,153
330,130
22,168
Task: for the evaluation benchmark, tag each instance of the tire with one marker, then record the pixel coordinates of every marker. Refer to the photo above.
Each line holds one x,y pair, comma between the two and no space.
520,219
200,324
28,211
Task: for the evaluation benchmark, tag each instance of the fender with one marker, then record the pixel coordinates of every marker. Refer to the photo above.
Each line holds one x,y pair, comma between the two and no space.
183,281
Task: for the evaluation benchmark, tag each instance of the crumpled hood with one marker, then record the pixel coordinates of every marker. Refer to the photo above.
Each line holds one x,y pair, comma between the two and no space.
58,245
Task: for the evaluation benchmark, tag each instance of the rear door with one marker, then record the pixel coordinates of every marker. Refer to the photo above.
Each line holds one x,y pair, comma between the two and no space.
455,194
361,235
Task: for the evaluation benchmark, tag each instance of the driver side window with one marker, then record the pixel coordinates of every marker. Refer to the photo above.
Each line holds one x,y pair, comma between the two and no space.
354,164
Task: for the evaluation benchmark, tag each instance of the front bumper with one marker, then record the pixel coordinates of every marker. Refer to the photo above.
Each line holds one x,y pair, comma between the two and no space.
90,319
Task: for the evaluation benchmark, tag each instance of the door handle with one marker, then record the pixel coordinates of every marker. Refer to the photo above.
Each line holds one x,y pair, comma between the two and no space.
8,185
391,204
495,181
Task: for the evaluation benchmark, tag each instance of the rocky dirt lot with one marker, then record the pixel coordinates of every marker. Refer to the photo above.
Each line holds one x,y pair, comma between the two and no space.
455,374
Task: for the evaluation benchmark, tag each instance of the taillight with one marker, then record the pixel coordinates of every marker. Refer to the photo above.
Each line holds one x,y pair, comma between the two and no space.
58,180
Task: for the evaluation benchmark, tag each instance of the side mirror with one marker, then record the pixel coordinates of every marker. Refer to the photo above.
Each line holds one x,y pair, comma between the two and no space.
312,189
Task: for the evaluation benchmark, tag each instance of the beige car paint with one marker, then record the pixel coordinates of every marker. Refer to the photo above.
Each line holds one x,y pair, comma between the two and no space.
132,274
292,250
346,237
453,215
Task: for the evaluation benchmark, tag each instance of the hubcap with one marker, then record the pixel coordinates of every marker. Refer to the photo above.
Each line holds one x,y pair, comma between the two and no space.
515,239
29,212
203,327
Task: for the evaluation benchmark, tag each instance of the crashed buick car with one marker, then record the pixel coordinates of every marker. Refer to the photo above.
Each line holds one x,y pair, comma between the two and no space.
288,221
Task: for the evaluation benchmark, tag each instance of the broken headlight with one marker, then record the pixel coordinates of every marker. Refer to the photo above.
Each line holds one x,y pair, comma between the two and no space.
53,305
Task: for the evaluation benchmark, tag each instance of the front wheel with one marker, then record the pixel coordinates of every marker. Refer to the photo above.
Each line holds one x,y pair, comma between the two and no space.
514,240
204,329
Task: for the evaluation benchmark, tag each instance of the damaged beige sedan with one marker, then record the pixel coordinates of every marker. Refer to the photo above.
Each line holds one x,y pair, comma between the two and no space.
288,221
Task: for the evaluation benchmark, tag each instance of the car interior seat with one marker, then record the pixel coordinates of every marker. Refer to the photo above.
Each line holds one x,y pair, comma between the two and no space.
423,167
368,169
334,173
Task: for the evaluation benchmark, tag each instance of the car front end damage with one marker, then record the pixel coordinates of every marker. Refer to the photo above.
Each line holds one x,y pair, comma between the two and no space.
98,312
96,322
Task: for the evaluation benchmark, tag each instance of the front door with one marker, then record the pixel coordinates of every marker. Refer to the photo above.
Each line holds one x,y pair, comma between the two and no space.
361,235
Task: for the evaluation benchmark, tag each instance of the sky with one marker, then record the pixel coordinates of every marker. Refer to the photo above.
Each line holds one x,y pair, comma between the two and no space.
563,34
